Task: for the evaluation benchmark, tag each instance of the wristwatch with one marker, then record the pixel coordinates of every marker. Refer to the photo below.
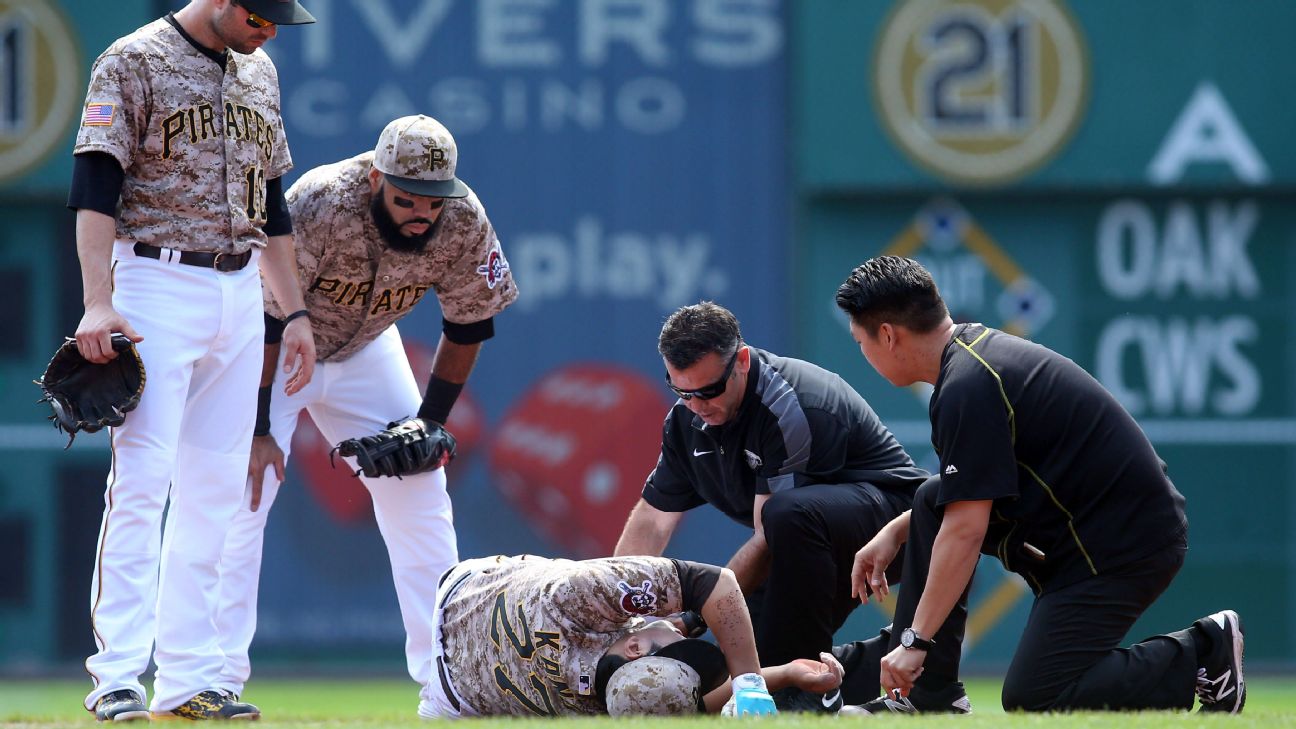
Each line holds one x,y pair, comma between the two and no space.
910,640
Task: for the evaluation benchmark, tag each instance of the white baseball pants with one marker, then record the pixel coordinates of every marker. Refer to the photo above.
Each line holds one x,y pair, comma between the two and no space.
356,397
188,440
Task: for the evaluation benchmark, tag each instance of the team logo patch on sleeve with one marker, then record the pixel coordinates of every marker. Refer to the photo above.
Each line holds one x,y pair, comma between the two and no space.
494,268
99,114
638,600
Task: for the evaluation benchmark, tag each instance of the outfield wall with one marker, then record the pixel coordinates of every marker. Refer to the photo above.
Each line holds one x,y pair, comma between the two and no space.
1110,179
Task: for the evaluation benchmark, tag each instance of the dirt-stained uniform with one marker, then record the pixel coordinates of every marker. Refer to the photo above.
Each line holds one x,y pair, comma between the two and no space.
197,135
524,635
356,289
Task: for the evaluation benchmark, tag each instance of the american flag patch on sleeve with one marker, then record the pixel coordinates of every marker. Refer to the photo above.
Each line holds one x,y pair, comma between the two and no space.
98,115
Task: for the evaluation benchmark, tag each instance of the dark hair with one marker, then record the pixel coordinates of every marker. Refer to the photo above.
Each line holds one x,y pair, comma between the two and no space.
895,290
607,666
693,332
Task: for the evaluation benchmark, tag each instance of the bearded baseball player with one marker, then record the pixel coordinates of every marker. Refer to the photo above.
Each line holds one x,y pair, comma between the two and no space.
529,636
176,185
375,234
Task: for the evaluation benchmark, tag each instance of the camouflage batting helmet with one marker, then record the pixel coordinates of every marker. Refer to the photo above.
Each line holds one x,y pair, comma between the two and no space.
671,681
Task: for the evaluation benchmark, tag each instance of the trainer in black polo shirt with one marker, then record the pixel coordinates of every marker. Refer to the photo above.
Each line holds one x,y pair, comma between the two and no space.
784,447
1043,468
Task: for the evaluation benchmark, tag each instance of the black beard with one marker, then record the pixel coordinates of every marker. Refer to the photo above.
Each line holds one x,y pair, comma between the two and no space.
390,232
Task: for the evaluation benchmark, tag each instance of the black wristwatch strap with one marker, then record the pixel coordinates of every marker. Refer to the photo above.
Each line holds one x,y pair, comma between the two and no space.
916,642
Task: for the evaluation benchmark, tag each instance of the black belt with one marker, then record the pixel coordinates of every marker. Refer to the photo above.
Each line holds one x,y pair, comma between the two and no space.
223,262
442,673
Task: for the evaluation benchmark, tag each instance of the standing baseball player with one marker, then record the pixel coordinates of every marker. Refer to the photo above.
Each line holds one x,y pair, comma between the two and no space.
177,190
375,233
1044,469
529,636
784,447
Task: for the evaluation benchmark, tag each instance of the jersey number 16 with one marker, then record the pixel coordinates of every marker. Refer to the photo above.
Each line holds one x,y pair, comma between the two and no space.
256,194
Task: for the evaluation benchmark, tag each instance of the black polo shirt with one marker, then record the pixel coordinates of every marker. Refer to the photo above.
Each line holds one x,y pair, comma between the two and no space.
1069,470
798,424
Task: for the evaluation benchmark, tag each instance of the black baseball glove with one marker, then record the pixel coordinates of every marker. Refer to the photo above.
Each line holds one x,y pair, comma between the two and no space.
87,396
406,447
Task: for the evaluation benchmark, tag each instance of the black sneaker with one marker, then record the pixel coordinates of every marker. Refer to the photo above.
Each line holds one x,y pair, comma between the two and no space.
1220,685
952,699
895,704
212,705
122,705
798,700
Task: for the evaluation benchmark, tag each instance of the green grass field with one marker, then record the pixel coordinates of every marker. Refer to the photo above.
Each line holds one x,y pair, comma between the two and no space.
1271,702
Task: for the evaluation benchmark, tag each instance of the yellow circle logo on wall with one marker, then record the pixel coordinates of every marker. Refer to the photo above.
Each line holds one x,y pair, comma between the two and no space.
40,85
980,91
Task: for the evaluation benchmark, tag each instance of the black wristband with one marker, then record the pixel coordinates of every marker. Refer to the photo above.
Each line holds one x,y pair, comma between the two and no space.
694,625
273,329
474,333
296,315
440,397
263,411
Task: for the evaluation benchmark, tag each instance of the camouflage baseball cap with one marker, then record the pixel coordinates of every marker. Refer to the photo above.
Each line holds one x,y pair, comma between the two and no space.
418,155
670,681
279,12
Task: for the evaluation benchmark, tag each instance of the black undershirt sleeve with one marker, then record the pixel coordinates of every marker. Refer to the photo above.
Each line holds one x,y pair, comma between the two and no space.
273,329
478,331
97,179
697,580
278,219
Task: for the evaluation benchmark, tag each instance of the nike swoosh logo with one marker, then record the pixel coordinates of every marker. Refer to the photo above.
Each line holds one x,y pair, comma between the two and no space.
697,452
830,698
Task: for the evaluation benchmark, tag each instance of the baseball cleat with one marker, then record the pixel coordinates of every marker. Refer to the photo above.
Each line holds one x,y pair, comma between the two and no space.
951,699
212,705
893,704
1220,684
123,705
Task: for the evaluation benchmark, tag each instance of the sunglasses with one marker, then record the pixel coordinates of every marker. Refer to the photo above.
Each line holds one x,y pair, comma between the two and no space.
254,20
711,391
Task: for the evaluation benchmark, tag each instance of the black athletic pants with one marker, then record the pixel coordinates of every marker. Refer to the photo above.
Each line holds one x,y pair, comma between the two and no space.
1069,656
813,533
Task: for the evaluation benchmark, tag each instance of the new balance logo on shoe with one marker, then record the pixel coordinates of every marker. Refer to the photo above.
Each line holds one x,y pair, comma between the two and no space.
1217,689
950,470
1221,687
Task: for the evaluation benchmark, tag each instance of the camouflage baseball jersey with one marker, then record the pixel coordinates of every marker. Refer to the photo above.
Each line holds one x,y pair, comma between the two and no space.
197,143
356,287
524,635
